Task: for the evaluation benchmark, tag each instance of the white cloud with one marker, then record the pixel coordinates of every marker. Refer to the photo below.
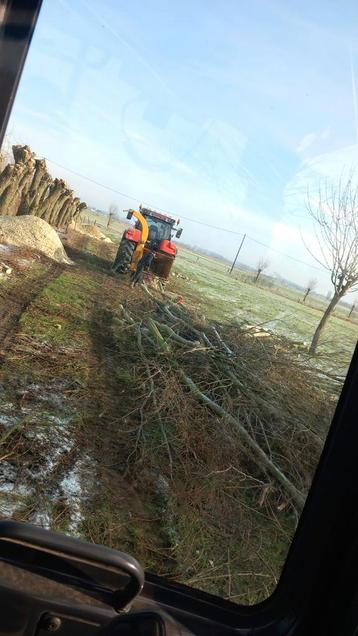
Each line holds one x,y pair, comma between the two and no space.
306,142
312,138
326,133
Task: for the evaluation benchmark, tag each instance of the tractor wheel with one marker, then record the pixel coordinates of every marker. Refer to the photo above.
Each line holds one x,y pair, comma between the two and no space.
124,256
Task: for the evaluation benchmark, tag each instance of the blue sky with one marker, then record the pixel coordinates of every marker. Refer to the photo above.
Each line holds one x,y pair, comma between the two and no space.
219,111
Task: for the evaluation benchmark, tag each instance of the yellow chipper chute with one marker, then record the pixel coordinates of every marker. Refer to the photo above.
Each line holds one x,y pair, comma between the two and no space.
138,253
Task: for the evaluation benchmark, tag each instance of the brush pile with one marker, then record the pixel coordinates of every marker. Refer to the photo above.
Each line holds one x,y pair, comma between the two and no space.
229,429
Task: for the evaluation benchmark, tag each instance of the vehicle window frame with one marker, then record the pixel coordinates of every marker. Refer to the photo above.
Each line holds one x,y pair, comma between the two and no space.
328,520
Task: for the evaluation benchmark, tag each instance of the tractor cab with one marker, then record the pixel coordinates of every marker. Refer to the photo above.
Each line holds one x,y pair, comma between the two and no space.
160,226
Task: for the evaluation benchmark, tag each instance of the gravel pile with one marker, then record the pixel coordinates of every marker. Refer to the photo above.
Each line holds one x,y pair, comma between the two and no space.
33,232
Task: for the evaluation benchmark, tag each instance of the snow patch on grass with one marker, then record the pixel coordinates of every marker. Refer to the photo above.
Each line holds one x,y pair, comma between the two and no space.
71,489
41,518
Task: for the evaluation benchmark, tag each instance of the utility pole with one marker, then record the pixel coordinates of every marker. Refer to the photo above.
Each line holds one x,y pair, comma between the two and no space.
237,253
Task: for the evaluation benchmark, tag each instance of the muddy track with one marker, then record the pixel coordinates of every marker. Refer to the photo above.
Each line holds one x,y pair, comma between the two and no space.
106,397
14,301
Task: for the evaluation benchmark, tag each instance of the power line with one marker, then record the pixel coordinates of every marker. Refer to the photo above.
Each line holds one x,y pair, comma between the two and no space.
293,258
131,198
186,218
78,174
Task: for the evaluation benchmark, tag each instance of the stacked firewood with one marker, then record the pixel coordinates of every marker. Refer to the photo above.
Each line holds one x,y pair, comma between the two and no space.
26,187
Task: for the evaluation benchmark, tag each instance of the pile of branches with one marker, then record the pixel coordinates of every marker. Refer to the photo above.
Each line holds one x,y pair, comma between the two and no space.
26,187
228,428
249,399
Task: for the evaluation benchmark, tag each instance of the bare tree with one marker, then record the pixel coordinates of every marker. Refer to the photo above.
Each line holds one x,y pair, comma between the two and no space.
311,285
260,267
335,215
112,212
352,309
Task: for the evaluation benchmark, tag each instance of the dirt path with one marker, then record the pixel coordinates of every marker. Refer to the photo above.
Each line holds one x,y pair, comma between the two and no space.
39,471
115,509
14,301
64,393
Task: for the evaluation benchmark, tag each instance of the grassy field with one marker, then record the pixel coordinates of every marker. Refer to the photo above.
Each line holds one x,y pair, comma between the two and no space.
229,299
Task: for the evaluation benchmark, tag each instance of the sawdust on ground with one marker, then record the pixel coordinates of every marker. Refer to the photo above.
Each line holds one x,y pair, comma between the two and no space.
33,232
91,230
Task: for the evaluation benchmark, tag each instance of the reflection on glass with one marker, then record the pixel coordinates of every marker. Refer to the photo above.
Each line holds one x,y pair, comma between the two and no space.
181,419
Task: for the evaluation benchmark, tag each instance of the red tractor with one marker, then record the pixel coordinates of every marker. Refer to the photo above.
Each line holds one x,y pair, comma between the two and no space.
152,232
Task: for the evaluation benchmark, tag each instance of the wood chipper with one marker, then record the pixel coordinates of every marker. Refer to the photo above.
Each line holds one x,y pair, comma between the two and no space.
152,232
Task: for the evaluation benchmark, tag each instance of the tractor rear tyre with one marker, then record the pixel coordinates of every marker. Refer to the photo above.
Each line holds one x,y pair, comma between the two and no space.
124,256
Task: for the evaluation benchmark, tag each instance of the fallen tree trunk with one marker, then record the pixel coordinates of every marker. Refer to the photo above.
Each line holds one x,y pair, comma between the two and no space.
174,336
56,190
154,331
5,177
221,342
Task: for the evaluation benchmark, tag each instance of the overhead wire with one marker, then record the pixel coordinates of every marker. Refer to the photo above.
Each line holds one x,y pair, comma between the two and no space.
197,221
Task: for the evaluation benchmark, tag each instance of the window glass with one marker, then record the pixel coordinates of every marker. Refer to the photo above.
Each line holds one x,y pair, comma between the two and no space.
174,403
158,230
